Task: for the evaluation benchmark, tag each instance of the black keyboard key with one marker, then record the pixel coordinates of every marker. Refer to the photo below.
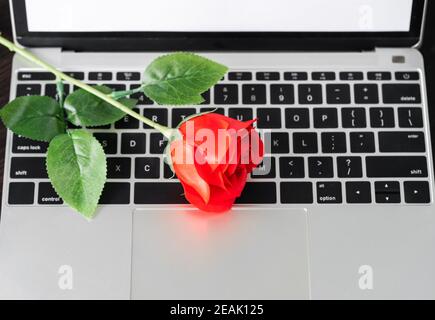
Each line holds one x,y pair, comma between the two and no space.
21,192
167,172
310,94
28,168
325,118
351,76
410,117
47,194
51,91
118,168
116,86
268,76
128,76
353,118
214,110
323,76
305,142
159,193
349,167
157,143
266,170
362,142
133,143
24,145
76,75
254,94
382,117
157,115
296,76
333,142
387,187
320,167
36,76
69,125
296,192
28,90
106,126
100,76
115,193
109,141
128,122
387,198
206,97
401,93
269,118
75,88
329,192
258,193
226,94
416,191
405,141
239,76
358,192
241,114
291,167
282,94
407,76
147,168
180,114
141,98
366,93
277,142
396,167
338,94
297,118
379,76
387,192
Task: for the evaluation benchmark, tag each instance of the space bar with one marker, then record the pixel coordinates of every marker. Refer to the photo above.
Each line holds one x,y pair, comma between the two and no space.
158,193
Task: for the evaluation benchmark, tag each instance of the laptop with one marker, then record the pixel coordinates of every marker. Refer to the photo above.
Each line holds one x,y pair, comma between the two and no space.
342,209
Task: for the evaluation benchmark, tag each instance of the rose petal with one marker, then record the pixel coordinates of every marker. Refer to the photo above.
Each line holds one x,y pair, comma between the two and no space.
187,171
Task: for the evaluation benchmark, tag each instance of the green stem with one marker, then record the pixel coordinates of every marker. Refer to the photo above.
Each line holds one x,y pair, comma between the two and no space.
60,93
166,131
122,94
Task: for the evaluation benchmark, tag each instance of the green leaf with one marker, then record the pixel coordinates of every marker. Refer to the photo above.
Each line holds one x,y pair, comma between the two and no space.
34,117
76,166
87,110
180,78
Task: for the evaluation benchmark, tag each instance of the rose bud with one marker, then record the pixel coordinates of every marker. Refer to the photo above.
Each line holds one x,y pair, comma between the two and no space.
213,157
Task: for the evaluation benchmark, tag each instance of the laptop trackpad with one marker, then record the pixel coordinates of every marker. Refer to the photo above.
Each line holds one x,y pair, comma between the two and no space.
245,254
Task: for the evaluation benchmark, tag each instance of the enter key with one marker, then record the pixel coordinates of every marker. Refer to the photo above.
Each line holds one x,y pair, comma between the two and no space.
405,141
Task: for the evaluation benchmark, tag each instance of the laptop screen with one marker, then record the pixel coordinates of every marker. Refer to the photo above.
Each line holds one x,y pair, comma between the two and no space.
219,15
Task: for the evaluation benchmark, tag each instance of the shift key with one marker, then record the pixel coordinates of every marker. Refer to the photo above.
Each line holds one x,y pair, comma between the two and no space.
396,167
28,168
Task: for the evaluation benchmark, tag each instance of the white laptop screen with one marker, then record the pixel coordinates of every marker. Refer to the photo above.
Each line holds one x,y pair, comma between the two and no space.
219,15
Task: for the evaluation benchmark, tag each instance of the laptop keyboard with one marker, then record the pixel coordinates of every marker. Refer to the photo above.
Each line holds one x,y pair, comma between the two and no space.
335,138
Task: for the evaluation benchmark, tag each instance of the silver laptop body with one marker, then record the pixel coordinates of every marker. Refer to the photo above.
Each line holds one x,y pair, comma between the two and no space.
345,212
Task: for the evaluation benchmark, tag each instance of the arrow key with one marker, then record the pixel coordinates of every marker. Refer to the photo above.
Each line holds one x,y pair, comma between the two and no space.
387,197
358,192
387,192
417,192
387,187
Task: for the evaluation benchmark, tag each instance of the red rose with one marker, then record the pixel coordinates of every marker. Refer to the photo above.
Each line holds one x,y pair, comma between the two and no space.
213,159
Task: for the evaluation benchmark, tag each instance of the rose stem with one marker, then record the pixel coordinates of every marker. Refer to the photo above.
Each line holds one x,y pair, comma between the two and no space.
106,97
